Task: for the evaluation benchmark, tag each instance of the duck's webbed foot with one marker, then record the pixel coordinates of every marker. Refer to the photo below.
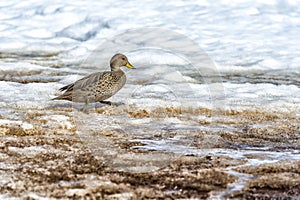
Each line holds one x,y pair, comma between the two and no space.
106,102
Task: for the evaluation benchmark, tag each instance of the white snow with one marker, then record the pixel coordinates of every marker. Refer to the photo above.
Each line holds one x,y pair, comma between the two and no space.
23,125
62,120
19,66
242,38
229,31
31,95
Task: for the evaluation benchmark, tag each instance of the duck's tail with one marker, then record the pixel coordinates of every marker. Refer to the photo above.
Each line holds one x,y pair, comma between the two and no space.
57,98
63,97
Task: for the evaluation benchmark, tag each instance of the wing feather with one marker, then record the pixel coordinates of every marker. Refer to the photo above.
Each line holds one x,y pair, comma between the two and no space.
84,82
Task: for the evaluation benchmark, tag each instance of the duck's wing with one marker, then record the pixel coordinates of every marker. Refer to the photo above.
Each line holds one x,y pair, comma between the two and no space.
84,82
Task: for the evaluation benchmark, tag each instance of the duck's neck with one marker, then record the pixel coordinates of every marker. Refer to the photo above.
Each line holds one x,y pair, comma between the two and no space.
115,68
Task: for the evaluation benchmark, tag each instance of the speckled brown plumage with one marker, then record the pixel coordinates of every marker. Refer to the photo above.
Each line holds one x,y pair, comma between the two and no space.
98,86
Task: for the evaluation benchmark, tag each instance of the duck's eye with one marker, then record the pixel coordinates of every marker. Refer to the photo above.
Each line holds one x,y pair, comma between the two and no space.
123,58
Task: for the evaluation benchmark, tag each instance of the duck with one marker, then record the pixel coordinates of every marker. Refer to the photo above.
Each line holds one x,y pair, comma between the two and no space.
98,86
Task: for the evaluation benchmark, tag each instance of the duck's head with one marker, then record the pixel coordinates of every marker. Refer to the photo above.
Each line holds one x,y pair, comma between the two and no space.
119,60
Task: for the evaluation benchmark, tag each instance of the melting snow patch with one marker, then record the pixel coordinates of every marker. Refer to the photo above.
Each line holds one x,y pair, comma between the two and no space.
19,67
62,120
24,125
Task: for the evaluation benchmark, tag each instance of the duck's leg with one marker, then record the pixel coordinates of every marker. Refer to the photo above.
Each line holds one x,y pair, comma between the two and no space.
85,108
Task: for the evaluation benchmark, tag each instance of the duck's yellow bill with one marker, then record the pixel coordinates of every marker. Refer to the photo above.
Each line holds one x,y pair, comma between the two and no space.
128,65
